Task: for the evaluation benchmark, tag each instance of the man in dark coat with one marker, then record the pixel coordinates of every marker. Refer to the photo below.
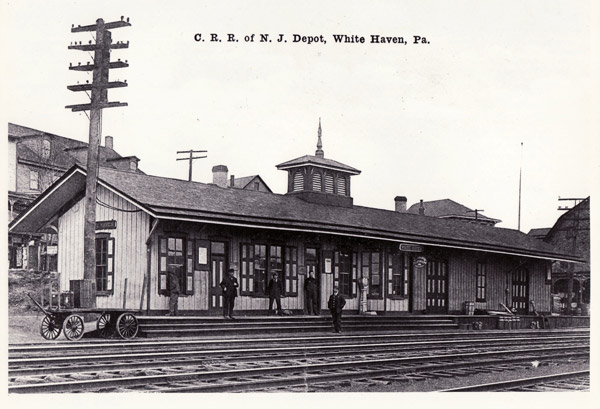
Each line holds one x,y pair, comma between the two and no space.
173,289
311,290
275,289
229,287
336,304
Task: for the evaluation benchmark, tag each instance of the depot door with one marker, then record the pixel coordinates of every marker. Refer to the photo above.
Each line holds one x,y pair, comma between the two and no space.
520,290
218,269
312,262
436,295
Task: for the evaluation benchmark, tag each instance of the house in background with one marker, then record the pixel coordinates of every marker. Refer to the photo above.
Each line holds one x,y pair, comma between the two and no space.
36,159
571,234
539,233
449,209
254,182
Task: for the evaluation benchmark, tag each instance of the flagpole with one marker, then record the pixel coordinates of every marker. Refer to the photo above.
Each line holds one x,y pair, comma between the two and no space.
520,176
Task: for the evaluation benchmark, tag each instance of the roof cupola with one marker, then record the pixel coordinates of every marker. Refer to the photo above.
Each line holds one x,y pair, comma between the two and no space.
320,180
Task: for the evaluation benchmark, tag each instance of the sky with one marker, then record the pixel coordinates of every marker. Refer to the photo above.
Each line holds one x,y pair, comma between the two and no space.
435,120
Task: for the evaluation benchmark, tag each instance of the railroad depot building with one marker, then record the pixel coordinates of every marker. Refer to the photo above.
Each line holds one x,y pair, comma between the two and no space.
414,263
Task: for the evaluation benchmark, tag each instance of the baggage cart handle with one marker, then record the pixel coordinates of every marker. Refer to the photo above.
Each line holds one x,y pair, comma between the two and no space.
46,313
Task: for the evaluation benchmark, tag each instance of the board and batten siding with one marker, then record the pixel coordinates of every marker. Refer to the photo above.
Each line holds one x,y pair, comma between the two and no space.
129,236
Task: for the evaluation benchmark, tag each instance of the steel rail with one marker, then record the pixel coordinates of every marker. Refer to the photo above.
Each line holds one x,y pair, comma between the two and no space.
65,347
84,363
516,383
478,358
69,345
303,350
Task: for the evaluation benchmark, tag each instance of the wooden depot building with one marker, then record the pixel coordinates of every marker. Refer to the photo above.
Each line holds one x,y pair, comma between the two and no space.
414,263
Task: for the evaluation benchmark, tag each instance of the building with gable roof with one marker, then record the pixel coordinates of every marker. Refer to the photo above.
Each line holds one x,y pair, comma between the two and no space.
413,264
36,159
449,209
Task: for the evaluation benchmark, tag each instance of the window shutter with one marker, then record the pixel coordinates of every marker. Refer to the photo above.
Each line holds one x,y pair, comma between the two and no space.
354,274
291,271
336,268
110,265
202,255
162,265
189,266
246,269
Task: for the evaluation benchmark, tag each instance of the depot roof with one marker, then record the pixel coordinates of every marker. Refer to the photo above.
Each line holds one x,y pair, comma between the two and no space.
175,199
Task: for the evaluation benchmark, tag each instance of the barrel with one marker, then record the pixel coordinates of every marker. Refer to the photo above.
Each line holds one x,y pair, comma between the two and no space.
503,322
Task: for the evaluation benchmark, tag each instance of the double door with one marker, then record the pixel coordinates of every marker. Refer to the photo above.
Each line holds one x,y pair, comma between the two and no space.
436,294
520,290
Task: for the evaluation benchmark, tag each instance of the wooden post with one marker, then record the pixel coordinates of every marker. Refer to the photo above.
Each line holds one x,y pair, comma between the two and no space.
125,294
143,293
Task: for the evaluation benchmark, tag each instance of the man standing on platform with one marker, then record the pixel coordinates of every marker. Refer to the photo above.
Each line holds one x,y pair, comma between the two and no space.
173,289
275,289
336,304
229,287
311,289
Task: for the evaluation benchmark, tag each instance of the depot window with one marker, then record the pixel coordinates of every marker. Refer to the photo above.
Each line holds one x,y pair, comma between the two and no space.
481,282
371,268
105,263
178,252
260,261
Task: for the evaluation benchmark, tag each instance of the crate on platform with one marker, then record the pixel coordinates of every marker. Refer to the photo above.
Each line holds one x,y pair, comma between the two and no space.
83,292
469,308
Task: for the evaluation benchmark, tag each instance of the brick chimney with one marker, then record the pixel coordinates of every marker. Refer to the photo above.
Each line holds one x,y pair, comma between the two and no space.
232,181
220,175
108,142
400,203
421,208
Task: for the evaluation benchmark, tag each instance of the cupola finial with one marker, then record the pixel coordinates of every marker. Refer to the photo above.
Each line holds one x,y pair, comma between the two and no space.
319,153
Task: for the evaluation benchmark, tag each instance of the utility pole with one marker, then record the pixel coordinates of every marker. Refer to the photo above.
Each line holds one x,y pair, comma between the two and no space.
191,158
573,233
99,100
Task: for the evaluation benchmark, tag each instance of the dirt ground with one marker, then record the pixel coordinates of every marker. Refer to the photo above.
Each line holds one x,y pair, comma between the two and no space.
24,318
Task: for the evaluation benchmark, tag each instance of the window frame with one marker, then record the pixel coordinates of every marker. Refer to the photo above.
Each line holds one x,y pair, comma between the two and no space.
34,180
370,267
396,270
254,281
186,269
46,148
349,290
108,266
481,282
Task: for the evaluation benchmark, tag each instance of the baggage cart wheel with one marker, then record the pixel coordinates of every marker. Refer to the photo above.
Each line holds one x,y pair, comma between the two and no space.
73,327
127,325
105,325
50,329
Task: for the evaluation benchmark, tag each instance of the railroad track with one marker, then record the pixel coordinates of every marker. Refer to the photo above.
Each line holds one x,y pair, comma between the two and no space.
190,366
61,363
565,382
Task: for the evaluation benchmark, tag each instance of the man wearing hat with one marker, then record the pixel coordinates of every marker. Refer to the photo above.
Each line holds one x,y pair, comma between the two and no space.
275,289
335,305
229,287
173,288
